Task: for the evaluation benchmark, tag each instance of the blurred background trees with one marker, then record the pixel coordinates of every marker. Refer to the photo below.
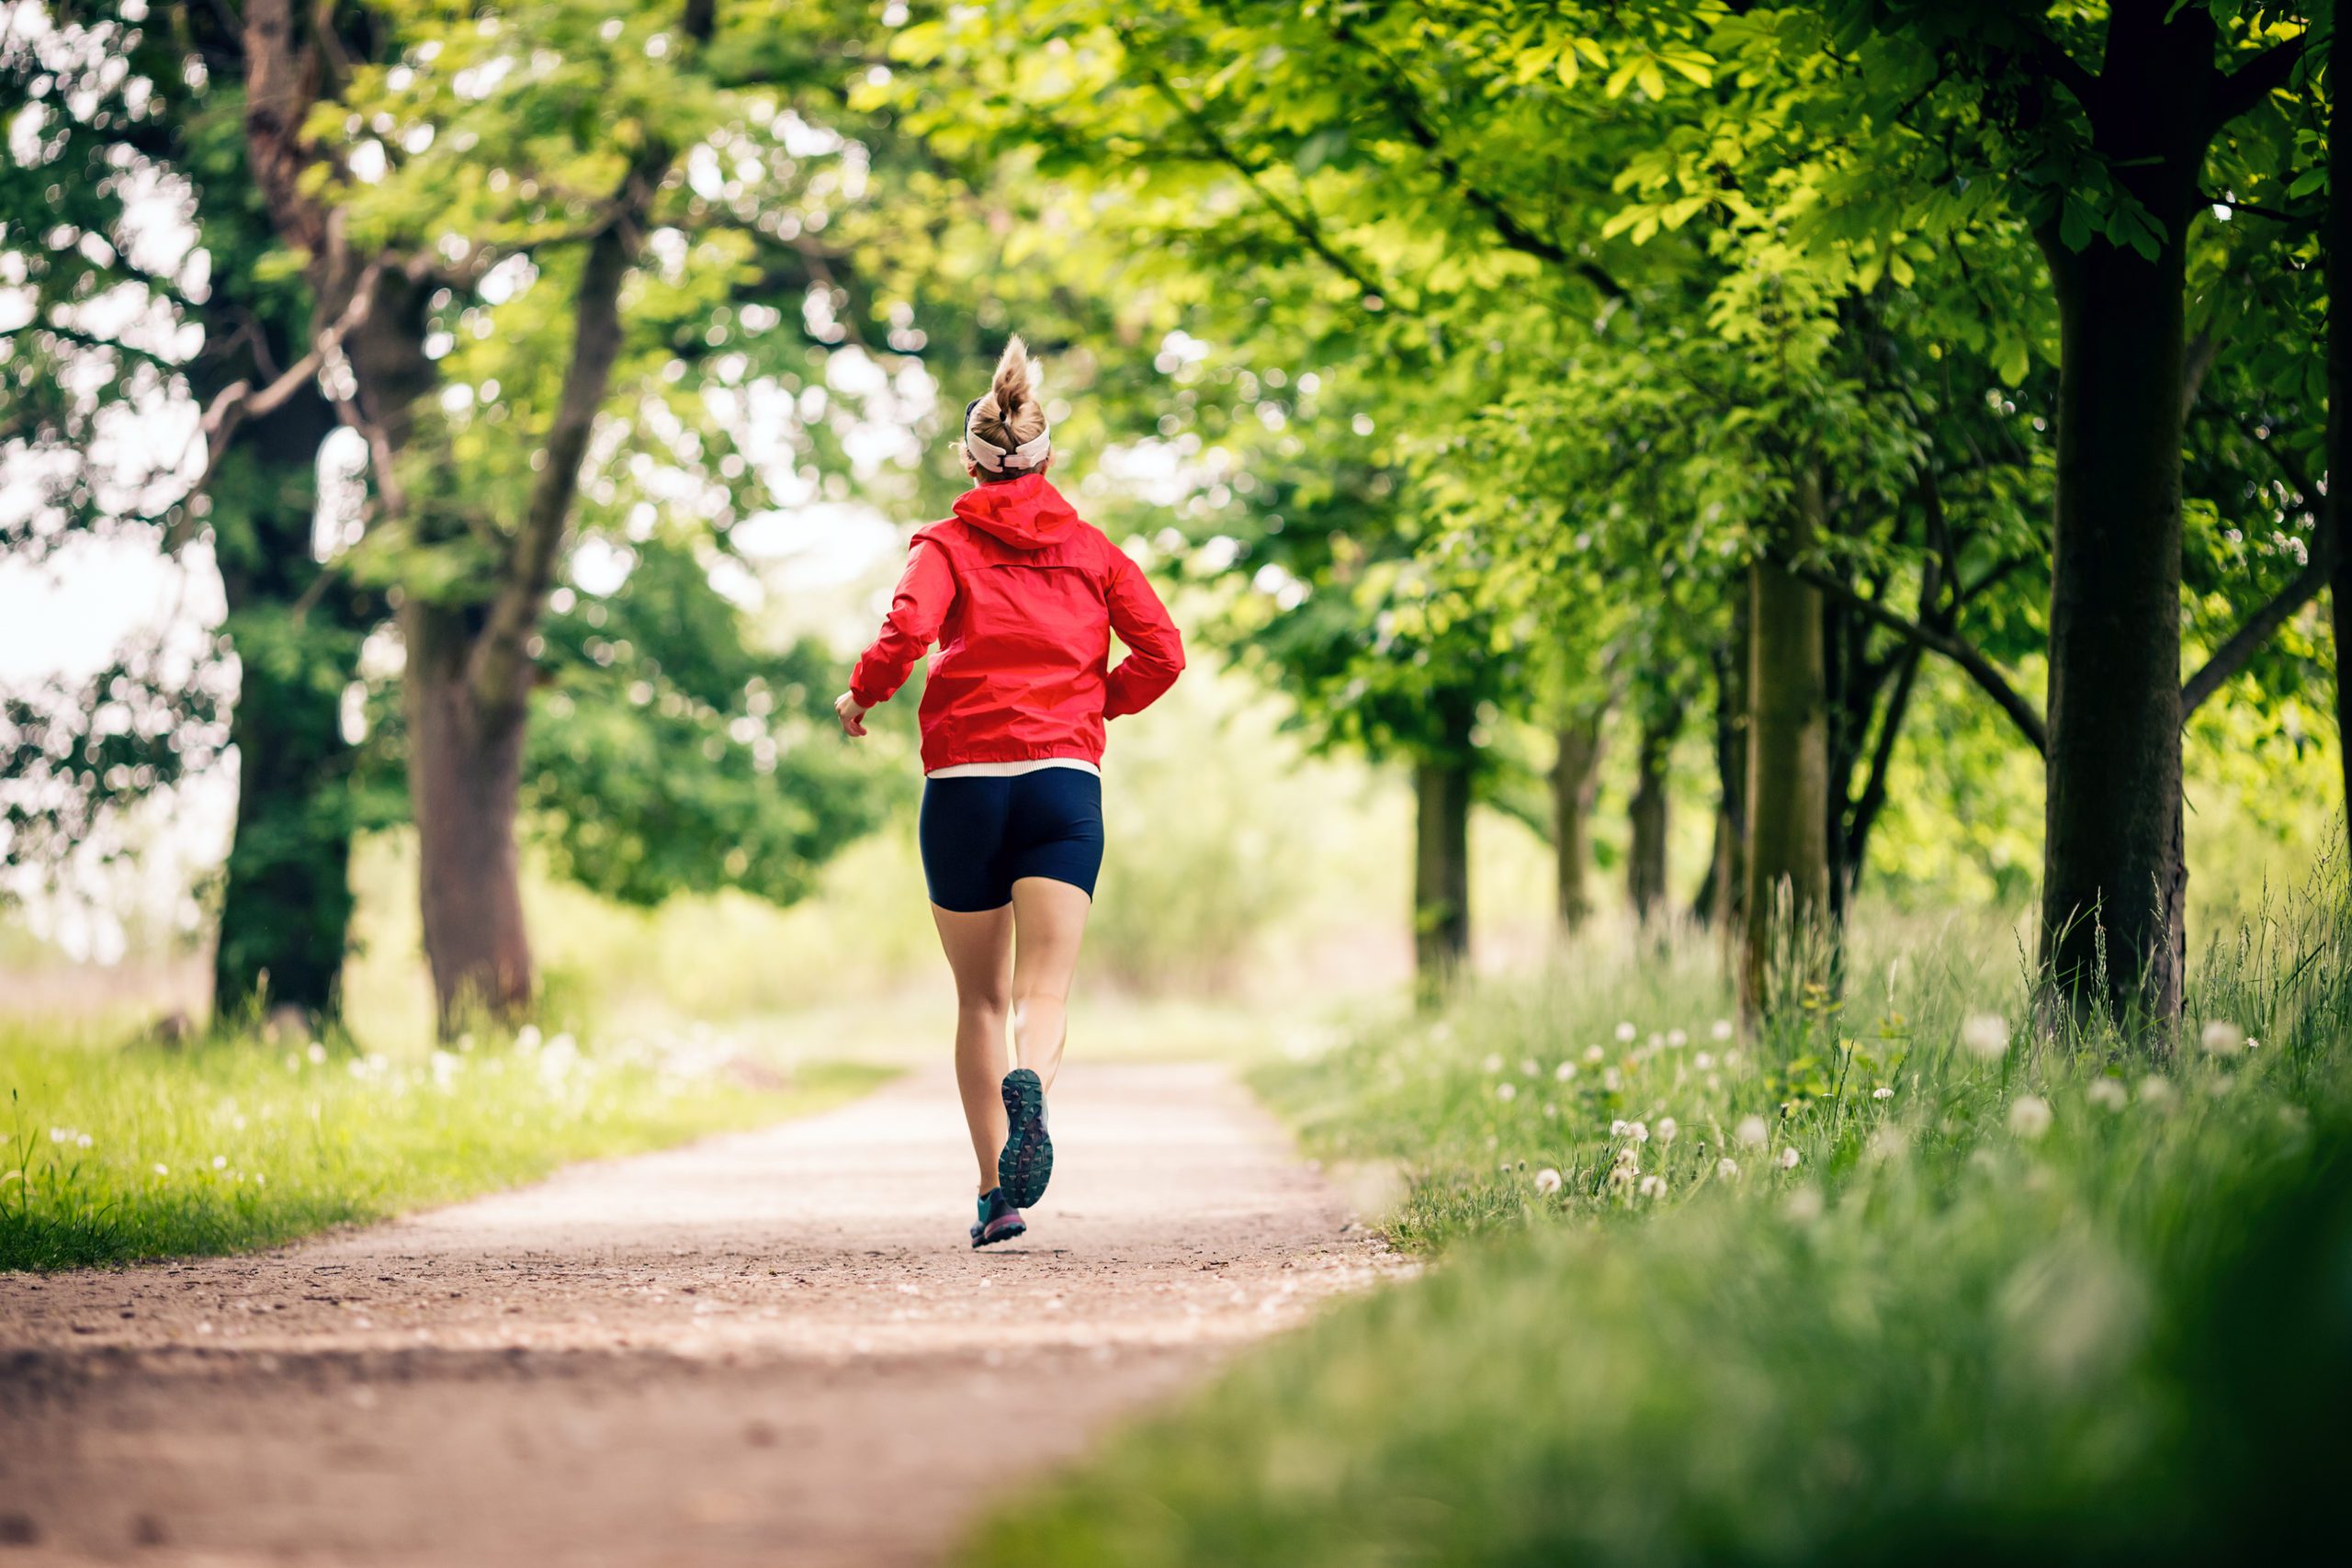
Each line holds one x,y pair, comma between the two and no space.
1803,419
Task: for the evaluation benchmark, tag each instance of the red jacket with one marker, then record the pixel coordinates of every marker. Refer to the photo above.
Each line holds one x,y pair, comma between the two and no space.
1022,597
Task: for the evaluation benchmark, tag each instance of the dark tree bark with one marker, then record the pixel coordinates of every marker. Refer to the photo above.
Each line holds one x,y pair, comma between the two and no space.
465,761
1788,760
1722,894
1645,861
1576,777
286,900
2114,872
2336,243
1441,784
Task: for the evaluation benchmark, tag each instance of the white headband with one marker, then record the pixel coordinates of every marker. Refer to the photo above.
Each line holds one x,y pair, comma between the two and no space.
995,458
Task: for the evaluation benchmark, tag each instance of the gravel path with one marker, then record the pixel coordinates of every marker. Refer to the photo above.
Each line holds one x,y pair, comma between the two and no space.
770,1348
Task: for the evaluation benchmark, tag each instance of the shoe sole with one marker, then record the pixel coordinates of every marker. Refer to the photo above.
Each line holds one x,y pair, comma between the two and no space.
1027,1162
987,1237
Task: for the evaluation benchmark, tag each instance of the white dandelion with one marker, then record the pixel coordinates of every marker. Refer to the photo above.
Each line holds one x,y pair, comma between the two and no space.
1666,1127
1751,1132
2108,1094
1493,1064
1986,1037
1652,1187
2221,1039
1881,1092
1547,1180
1626,1032
1727,1169
1721,1029
1565,1071
1506,1092
2030,1116
1789,1159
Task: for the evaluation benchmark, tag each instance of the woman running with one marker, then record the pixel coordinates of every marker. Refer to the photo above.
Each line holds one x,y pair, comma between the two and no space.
1022,597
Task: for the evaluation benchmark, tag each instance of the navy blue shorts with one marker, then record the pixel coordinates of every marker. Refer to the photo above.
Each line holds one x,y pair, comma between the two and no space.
982,835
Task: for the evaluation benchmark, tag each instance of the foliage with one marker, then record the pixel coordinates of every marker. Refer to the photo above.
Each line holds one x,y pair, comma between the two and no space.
1965,1293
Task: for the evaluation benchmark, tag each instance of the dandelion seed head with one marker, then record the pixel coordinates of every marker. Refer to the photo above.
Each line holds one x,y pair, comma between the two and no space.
2154,1091
1626,1032
315,1052
1565,1071
1751,1132
1703,1060
1666,1127
2222,1039
1985,1037
1805,1205
1652,1187
2108,1094
1790,1158
220,1162
1727,1169
1721,1029
162,1170
1675,1039
1506,1092
1547,1180
83,1140
1493,1064
1883,1092
2030,1116
1529,1068
1594,1053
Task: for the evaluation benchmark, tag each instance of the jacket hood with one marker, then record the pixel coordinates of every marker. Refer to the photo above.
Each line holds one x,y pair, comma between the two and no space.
1026,513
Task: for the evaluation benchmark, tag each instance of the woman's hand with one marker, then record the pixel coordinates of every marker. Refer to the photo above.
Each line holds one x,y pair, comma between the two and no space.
852,713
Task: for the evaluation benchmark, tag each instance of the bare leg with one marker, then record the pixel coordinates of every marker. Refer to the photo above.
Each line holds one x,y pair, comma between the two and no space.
979,950
1050,918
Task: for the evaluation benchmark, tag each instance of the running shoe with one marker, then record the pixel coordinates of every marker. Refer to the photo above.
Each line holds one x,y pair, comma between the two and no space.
1027,1162
1000,1221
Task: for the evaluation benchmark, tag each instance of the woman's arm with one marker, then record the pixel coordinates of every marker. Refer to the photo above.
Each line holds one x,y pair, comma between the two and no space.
926,592
1155,651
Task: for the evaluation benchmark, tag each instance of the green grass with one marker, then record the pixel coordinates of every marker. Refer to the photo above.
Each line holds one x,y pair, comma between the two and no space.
2057,1300
120,1153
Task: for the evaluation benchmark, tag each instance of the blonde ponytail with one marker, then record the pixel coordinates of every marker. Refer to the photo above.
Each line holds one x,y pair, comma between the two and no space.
1005,432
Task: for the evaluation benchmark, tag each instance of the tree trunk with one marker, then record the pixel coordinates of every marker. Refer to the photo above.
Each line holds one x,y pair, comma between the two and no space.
1576,776
1787,758
1645,861
1722,896
286,903
2336,244
2114,872
1440,870
464,763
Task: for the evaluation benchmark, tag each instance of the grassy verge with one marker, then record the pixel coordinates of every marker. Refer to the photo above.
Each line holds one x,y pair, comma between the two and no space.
121,1153
1899,1280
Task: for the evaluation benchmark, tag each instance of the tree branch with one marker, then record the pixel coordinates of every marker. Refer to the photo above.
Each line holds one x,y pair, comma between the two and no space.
2232,656
1252,172
1983,671
2245,87
500,653
2069,73
1514,233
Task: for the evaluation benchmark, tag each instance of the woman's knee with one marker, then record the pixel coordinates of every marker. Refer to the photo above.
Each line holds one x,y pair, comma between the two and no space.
982,1006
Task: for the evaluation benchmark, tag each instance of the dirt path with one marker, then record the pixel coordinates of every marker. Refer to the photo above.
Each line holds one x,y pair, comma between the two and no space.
772,1347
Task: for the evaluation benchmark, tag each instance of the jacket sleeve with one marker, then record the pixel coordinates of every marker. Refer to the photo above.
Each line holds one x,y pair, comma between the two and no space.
926,592
1155,652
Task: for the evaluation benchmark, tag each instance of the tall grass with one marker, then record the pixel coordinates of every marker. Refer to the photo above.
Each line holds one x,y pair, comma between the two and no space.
1903,1278
114,1153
